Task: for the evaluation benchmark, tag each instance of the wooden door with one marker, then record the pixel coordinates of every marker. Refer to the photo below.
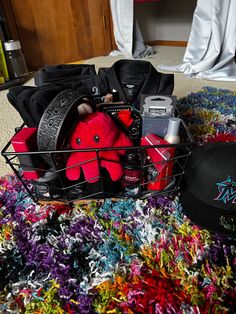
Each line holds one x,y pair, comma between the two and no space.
61,31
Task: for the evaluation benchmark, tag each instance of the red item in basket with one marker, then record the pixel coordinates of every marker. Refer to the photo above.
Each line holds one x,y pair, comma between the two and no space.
25,141
159,158
96,130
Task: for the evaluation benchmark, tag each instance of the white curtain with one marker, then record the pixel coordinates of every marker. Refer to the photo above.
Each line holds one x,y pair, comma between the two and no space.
127,34
210,53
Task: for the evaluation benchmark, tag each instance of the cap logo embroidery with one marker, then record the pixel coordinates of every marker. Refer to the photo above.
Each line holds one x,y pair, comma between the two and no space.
226,191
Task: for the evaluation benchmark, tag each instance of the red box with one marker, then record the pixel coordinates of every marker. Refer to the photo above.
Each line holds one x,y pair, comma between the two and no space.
159,158
25,141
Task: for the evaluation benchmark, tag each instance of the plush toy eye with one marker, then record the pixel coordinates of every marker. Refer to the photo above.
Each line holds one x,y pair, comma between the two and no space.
78,141
96,138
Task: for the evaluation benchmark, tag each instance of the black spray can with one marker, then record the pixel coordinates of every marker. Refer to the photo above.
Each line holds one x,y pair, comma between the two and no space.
131,177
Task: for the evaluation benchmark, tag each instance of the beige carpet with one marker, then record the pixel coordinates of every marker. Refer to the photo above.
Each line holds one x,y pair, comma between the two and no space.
10,118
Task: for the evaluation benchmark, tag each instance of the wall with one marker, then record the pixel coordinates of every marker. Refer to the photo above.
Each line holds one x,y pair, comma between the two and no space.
166,20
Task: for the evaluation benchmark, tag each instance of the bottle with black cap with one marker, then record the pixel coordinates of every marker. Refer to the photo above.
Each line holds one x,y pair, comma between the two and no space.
131,177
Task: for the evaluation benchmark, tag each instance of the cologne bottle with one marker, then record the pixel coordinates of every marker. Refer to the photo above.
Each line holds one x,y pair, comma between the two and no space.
131,177
172,135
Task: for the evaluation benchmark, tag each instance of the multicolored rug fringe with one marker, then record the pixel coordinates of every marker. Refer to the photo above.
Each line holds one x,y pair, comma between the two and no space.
210,115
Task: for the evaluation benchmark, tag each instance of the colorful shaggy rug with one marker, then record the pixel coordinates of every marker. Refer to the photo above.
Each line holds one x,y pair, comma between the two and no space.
119,257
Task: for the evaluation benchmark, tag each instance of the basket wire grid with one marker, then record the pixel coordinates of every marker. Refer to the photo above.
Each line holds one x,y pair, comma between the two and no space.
70,191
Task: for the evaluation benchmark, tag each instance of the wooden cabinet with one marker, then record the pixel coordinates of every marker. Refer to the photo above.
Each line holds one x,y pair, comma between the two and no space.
59,31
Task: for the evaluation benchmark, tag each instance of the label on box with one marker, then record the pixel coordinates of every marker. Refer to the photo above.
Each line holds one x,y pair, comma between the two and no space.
157,111
157,105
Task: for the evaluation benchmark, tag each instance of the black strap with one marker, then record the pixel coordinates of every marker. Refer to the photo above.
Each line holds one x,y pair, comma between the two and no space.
58,119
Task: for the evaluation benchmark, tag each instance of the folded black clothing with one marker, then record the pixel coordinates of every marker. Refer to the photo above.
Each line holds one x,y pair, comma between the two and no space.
40,100
131,78
19,98
31,102
53,73
92,85
13,93
45,94
102,71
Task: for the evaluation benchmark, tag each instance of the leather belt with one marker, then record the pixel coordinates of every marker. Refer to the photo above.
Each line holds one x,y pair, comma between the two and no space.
57,121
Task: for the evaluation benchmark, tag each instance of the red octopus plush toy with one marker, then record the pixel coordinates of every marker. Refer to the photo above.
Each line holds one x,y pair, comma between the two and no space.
96,130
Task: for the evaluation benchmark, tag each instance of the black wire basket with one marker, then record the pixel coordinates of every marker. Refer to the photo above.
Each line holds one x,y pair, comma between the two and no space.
152,177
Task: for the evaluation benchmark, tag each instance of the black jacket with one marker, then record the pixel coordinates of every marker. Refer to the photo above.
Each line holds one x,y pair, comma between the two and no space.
131,78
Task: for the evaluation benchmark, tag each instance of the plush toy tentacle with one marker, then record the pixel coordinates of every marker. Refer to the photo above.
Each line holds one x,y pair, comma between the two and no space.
91,171
85,160
111,161
73,167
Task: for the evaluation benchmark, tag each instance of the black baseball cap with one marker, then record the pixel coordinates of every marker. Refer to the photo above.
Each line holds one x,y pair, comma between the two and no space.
208,193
